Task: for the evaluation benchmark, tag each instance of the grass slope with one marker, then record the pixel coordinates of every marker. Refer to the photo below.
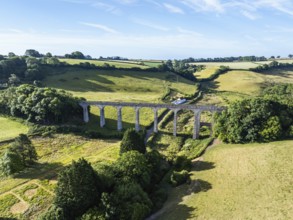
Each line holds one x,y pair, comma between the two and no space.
240,65
127,86
118,64
238,84
252,181
11,128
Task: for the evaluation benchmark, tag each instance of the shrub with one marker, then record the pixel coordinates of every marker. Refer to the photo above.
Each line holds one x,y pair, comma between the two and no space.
128,201
77,188
23,146
132,140
93,214
11,162
178,178
182,163
133,166
158,198
54,212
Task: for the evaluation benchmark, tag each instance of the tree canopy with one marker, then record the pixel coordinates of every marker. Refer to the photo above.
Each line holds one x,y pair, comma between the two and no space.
42,105
132,140
77,188
252,120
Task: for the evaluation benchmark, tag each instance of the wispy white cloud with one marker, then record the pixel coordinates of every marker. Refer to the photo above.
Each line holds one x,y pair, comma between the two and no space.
100,27
173,9
205,5
126,1
249,15
150,25
154,3
248,8
188,32
107,7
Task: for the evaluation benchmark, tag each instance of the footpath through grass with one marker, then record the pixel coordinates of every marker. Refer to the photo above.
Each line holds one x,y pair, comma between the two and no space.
251,181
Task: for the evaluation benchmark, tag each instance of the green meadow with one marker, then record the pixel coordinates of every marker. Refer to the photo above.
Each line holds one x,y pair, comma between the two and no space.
117,64
240,65
251,181
10,128
126,86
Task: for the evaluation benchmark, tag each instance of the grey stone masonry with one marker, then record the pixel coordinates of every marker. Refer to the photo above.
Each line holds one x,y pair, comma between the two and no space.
175,108
102,115
119,118
137,127
196,127
85,111
155,120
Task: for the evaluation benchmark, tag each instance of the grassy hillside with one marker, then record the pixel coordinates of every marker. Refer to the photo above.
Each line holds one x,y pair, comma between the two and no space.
30,192
252,181
11,128
237,84
240,65
206,72
118,64
127,86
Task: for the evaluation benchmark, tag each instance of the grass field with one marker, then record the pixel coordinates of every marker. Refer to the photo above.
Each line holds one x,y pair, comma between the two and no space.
11,128
118,64
237,84
240,65
252,181
127,86
206,73
31,191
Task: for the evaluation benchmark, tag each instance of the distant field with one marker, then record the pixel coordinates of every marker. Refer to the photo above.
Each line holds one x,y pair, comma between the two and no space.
238,84
127,86
206,73
240,65
118,64
32,191
11,128
251,181
152,63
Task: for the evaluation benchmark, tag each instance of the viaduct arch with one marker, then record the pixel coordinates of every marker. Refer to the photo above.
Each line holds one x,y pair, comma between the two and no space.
175,108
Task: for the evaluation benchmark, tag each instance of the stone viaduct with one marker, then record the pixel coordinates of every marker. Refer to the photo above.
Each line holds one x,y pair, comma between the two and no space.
175,108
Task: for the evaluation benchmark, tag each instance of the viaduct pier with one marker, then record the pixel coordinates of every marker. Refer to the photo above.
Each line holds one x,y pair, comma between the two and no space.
137,106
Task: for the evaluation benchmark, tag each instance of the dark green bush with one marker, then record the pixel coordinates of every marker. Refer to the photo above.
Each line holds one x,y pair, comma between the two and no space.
182,163
54,212
132,140
178,178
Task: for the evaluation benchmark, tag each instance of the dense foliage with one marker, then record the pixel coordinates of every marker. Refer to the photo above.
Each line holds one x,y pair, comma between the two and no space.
132,140
271,66
77,189
252,120
41,105
20,154
181,67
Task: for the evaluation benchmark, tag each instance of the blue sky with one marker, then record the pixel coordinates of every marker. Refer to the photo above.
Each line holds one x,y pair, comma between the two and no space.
148,29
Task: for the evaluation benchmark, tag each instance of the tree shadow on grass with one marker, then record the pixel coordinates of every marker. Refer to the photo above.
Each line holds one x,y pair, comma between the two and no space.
203,165
174,209
40,171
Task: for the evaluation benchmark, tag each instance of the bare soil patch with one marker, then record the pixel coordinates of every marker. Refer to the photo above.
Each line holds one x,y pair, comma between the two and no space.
30,193
19,208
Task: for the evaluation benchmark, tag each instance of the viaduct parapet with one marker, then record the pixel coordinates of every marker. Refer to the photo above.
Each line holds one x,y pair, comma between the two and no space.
197,109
